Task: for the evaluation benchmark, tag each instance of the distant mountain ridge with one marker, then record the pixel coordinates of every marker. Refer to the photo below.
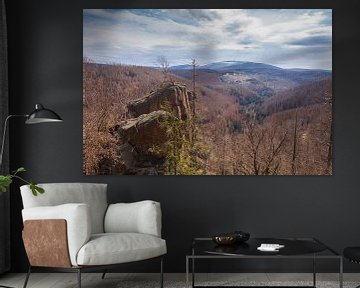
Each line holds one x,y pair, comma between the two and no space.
251,82
236,72
229,66
236,65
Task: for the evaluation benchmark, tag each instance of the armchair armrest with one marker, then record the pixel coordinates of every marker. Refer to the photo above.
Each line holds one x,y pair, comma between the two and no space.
77,217
138,217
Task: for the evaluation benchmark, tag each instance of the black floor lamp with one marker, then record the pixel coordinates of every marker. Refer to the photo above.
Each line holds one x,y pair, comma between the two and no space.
39,115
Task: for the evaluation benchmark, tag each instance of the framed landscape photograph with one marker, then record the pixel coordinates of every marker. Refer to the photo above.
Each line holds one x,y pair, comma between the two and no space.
207,92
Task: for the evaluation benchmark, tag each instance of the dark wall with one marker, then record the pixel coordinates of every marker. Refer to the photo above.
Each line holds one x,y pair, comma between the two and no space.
45,50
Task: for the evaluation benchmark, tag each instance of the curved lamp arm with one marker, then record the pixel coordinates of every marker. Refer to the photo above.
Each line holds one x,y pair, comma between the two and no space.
4,134
39,115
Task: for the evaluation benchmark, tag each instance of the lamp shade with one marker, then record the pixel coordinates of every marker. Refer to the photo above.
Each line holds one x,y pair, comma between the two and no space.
42,115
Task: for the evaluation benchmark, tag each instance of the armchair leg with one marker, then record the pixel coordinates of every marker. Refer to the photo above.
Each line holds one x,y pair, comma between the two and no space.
161,273
79,277
27,277
103,275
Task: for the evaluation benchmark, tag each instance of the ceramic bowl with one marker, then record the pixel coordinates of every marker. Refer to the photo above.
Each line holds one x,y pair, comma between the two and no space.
225,239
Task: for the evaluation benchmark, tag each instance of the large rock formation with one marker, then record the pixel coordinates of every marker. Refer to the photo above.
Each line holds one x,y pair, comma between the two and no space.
144,134
173,95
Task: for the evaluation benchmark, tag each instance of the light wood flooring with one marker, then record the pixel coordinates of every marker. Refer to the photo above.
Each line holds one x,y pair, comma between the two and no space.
114,280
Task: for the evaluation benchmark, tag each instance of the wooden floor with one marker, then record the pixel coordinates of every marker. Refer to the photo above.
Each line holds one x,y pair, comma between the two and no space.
113,280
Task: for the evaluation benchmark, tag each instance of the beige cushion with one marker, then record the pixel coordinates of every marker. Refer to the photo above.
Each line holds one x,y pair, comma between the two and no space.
137,217
92,194
112,248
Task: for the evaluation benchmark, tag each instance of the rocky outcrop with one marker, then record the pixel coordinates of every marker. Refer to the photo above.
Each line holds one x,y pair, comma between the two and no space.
127,158
173,96
144,133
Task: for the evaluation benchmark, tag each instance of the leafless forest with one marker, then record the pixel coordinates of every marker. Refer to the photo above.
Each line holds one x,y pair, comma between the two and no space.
242,122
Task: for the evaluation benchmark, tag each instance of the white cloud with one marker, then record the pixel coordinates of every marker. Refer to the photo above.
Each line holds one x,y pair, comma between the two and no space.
210,36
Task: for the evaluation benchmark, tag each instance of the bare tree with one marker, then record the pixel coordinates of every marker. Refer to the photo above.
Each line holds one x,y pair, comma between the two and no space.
262,148
193,64
294,154
328,104
165,67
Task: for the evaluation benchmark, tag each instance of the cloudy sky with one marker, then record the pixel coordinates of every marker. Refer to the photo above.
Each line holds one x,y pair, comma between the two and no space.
288,38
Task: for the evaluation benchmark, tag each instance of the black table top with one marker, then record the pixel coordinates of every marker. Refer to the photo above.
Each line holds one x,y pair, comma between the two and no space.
292,247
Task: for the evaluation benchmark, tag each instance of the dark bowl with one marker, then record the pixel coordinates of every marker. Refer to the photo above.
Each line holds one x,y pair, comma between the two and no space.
241,236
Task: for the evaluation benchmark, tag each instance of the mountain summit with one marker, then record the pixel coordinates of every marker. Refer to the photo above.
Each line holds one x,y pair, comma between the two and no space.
233,66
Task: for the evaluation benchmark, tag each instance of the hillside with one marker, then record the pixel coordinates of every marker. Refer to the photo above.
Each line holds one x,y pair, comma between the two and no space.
246,123
251,69
107,92
251,83
300,96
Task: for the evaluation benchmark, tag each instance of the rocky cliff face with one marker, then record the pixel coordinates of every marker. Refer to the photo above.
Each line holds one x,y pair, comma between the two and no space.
174,95
144,130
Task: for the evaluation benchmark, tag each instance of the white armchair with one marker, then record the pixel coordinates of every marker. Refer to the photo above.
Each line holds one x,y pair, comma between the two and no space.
72,228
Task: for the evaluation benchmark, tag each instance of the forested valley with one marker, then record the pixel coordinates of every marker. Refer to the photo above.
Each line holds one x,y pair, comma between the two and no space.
235,118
